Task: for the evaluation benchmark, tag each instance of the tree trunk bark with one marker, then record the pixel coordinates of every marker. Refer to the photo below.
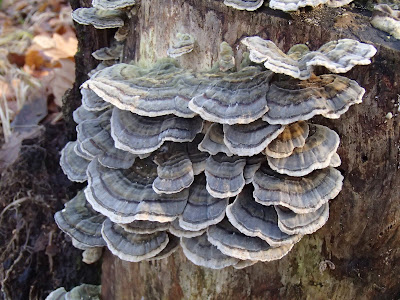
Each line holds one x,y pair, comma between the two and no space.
362,236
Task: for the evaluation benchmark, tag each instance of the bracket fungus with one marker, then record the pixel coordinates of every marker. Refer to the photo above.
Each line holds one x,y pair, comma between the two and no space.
224,175
250,139
328,95
141,135
249,5
174,170
73,165
202,209
386,19
230,241
127,195
163,148
299,194
256,220
109,53
213,141
99,18
293,136
337,56
112,4
321,144
183,44
131,246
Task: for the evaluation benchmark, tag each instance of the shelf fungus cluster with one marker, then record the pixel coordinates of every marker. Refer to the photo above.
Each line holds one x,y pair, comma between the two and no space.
222,163
284,5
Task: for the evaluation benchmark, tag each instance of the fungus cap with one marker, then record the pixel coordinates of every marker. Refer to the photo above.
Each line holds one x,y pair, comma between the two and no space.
81,222
130,246
176,229
250,139
213,141
330,95
256,220
145,227
100,19
232,242
293,136
307,223
316,153
141,135
249,5
202,253
127,195
224,175
73,166
299,194
386,19
202,209
184,43
112,4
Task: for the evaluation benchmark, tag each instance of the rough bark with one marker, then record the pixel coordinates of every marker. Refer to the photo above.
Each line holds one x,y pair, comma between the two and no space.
362,235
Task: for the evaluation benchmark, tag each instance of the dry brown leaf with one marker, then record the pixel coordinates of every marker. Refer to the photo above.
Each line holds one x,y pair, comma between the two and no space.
63,79
65,47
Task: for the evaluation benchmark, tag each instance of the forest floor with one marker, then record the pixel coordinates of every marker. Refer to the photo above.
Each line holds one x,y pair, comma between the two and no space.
37,45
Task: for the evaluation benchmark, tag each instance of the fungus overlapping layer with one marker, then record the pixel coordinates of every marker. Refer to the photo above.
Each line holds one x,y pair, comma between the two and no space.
213,141
337,56
73,165
249,5
109,53
386,19
99,18
183,44
112,4
159,179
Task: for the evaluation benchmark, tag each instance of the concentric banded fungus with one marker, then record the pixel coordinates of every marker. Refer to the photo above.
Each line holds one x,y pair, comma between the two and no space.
232,242
177,230
256,220
337,56
174,170
197,157
386,19
316,153
183,44
81,114
213,141
84,291
202,210
253,163
250,139
87,129
329,95
73,166
293,136
234,98
81,222
112,4
152,92
102,146
172,246
249,5
226,60
202,253
130,246
145,227
141,135
125,196
109,53
224,175
300,194
293,223
92,102
100,19
338,3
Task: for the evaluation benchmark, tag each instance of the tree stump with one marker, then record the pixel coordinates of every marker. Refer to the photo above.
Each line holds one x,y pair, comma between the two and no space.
355,255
